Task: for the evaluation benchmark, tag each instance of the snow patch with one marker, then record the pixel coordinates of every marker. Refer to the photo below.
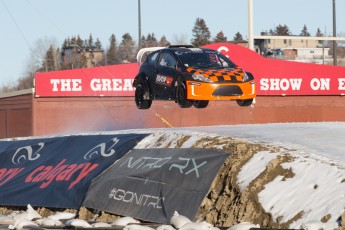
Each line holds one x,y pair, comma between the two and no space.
252,169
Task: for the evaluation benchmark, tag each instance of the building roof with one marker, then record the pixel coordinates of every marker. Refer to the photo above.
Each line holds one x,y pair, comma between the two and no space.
17,93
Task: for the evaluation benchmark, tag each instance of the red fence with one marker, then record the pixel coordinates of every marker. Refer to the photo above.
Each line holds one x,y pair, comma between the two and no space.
273,77
113,80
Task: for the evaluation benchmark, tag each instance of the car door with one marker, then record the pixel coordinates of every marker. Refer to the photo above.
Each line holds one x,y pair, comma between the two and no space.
165,76
150,69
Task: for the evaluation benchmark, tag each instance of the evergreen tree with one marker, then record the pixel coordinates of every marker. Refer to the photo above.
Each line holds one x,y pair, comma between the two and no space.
49,60
98,44
305,32
318,33
143,42
79,42
73,41
149,37
90,43
111,53
282,30
163,42
65,43
238,37
272,33
151,40
201,33
220,37
126,49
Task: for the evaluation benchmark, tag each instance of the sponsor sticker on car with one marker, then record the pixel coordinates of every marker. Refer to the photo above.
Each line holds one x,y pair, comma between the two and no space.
164,80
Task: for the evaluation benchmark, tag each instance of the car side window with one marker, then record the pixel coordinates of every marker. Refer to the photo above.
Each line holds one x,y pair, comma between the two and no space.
151,58
167,60
224,63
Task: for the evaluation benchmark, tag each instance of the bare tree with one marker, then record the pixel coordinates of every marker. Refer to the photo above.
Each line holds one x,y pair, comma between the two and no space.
37,55
35,62
180,39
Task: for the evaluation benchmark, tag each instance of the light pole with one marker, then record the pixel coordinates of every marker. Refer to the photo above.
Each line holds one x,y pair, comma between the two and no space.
139,25
334,35
250,25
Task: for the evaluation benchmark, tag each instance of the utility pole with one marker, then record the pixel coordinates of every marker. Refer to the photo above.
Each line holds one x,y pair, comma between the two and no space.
250,25
139,25
334,35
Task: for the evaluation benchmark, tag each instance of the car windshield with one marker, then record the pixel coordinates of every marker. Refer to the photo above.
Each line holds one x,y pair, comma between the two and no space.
204,59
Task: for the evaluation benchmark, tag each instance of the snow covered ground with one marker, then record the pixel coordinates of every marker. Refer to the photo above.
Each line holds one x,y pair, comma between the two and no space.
322,140
317,190
313,197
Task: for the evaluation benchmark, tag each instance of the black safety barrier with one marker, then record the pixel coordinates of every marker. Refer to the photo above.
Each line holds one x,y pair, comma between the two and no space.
56,172
151,184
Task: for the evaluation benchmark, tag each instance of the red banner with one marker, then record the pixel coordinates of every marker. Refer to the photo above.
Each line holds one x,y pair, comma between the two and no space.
272,77
113,80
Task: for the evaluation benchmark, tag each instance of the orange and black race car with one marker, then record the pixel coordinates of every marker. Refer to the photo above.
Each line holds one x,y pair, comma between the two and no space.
191,77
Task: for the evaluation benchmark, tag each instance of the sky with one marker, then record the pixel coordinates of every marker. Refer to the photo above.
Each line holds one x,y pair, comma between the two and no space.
317,162
25,22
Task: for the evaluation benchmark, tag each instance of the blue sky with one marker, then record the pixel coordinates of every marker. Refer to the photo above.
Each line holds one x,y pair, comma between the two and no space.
24,22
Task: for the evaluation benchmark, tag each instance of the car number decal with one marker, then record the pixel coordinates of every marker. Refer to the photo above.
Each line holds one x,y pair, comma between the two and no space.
164,80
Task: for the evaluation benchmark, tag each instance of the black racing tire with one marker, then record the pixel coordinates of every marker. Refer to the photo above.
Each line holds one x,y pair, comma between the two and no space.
247,102
139,98
181,96
200,104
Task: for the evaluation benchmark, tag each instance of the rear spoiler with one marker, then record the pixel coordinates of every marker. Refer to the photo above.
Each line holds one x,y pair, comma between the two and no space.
145,50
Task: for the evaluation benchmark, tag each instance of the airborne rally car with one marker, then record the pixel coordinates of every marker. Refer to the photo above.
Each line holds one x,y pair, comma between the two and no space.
191,77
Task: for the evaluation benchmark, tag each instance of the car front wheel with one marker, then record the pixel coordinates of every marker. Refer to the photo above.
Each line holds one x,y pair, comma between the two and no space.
246,102
140,101
200,104
181,96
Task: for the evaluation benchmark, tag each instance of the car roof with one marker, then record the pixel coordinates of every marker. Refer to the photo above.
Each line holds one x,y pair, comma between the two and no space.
142,51
185,48
173,48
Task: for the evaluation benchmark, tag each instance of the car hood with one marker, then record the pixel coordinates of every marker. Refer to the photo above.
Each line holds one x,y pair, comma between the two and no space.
220,75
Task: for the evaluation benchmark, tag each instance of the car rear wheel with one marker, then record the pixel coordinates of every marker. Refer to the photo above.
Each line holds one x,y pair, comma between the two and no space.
200,104
181,96
246,102
140,101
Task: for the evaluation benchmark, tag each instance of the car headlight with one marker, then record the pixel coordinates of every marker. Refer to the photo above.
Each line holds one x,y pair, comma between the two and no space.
200,77
247,77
